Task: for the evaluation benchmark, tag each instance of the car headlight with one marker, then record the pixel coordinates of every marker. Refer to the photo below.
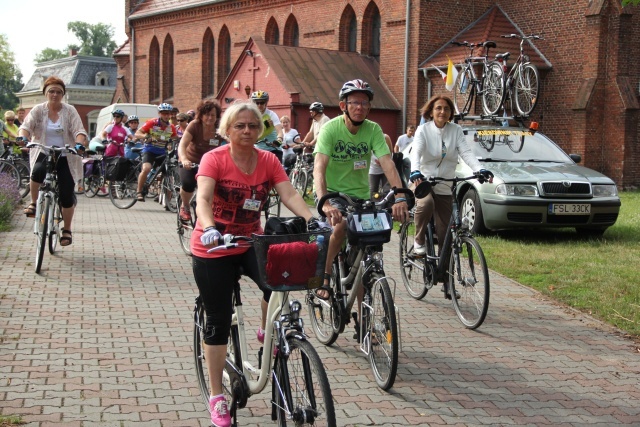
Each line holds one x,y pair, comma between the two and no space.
609,190
524,190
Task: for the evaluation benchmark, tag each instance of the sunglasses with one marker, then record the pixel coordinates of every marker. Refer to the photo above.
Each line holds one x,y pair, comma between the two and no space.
260,102
117,116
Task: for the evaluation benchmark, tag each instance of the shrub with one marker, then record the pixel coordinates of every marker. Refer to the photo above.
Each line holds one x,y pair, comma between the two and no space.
9,199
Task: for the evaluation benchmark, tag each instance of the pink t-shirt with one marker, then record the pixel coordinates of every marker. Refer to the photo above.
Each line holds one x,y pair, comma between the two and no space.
233,188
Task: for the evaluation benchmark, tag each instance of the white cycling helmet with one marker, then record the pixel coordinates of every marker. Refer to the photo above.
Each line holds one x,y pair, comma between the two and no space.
133,118
165,107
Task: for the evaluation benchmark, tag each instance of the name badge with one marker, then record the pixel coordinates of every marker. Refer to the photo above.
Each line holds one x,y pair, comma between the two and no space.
214,142
162,138
359,164
251,205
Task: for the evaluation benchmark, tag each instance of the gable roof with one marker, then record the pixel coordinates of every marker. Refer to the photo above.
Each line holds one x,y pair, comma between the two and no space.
75,71
490,26
145,8
318,74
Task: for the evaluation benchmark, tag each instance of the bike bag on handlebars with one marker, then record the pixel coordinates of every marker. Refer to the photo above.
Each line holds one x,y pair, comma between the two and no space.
369,227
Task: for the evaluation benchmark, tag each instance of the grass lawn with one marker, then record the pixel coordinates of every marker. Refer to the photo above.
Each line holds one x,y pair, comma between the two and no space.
599,276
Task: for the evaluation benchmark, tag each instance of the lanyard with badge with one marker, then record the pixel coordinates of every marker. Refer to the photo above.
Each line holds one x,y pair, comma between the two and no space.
252,204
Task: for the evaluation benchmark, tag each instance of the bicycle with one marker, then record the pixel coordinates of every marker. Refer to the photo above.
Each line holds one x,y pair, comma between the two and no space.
48,210
272,207
359,265
468,86
460,261
302,173
22,167
185,228
522,83
95,182
123,192
300,392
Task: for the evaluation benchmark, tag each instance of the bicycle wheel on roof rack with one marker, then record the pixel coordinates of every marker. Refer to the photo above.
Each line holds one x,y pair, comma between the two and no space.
464,92
527,89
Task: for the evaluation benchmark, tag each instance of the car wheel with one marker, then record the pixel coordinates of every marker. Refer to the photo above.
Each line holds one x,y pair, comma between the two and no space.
471,209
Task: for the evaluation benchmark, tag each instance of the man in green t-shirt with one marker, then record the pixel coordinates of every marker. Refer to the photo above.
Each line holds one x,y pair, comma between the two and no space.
342,157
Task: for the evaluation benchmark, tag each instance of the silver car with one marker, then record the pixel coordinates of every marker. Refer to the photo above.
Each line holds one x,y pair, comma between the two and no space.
536,185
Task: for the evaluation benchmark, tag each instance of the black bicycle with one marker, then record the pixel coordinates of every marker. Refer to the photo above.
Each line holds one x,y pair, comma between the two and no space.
460,263
20,164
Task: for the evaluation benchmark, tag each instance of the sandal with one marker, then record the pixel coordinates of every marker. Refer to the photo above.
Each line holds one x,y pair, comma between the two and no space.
324,291
64,239
140,196
30,211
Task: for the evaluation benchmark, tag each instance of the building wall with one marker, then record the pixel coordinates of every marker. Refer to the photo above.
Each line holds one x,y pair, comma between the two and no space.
584,39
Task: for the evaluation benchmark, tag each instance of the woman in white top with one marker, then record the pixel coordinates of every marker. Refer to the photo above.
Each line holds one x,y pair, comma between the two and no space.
291,137
55,123
436,148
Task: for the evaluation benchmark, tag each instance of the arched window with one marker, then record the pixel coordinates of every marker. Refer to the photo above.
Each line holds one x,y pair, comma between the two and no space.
291,32
154,72
167,68
272,35
371,24
208,64
224,55
348,30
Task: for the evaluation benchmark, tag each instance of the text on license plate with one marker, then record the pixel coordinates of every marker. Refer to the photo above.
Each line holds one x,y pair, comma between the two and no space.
569,209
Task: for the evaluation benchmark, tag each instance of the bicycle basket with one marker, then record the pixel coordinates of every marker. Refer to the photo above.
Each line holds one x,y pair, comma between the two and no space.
291,262
369,228
116,168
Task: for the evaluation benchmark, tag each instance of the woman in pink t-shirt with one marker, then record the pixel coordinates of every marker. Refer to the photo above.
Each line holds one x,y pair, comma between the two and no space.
234,181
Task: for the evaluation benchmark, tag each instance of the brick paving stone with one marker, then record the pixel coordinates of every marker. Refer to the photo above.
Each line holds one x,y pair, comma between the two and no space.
103,338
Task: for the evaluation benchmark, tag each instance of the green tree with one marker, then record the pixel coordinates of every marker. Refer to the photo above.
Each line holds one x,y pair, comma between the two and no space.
633,2
10,76
49,54
95,40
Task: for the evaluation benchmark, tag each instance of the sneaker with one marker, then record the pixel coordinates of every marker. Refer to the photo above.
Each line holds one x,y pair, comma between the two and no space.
219,412
185,215
260,335
419,249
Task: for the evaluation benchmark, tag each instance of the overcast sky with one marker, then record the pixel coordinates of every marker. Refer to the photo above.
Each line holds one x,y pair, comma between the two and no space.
34,25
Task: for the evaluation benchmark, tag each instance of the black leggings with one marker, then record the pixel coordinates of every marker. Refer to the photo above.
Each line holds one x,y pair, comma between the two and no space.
188,179
215,278
65,180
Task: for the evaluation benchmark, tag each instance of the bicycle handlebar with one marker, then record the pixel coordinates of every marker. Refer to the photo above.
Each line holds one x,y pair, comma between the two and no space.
230,241
518,36
366,203
65,149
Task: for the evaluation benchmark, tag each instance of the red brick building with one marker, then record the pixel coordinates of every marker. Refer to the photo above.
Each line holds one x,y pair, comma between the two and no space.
180,51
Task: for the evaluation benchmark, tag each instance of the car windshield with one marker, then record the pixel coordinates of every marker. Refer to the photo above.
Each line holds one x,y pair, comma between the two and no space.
506,144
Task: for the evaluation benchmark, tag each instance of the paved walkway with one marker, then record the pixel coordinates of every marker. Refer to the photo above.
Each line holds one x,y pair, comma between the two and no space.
103,338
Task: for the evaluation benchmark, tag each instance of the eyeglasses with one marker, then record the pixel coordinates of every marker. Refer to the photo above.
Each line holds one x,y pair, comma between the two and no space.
440,108
261,102
242,126
355,104
55,92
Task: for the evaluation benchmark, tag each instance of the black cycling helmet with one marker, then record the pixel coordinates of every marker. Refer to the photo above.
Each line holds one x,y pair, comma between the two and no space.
118,113
354,86
260,95
316,106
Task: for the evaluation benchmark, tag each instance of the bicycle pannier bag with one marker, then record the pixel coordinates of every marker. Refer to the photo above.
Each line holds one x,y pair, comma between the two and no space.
372,227
116,168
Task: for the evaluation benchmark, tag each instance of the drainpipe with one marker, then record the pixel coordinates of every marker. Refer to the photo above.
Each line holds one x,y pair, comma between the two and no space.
133,64
406,66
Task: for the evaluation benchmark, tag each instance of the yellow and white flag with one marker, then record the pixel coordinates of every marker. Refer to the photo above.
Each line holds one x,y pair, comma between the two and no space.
452,74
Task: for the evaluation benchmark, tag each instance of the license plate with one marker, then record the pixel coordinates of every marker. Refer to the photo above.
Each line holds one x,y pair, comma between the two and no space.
569,209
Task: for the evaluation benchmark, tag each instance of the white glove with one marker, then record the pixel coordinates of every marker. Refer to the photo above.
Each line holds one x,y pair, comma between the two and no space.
210,236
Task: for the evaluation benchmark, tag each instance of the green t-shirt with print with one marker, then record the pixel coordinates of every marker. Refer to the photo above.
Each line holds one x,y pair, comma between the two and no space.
350,155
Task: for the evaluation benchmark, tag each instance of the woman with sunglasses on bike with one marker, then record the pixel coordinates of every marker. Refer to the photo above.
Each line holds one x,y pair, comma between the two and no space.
116,133
436,147
55,123
234,182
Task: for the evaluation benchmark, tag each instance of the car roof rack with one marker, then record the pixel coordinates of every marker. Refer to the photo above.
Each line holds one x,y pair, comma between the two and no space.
490,118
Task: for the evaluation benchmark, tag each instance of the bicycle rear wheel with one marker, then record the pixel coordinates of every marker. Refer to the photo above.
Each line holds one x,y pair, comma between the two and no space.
383,329
412,266
464,92
54,233
92,185
326,315
469,276
527,89
123,193
301,391
41,228
493,88
170,190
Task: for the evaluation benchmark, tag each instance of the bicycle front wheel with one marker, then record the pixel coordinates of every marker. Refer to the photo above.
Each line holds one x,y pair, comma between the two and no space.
301,392
185,229
301,182
12,172
412,266
170,190
469,277
123,193
54,233
463,92
493,89
527,89
41,228
383,330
